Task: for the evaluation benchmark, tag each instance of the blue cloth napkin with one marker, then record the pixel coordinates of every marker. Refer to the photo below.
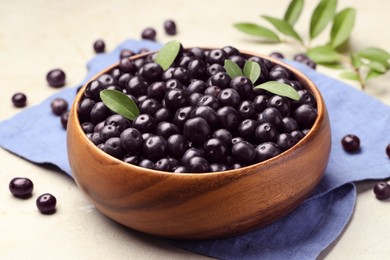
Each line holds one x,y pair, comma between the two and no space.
37,135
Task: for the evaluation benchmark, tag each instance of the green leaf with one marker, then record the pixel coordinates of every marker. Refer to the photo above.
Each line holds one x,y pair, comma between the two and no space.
167,54
342,26
373,74
376,66
349,74
293,11
119,103
335,65
283,27
323,54
355,60
280,89
232,69
257,30
252,71
321,16
375,54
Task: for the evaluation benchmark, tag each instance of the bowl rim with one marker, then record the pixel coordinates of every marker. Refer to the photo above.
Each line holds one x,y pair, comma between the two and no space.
300,76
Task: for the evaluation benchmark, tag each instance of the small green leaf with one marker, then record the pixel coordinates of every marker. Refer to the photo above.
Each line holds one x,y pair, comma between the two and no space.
349,74
119,103
373,74
280,89
376,66
252,70
167,54
293,11
375,54
232,69
334,65
355,60
321,16
257,30
283,27
323,54
342,26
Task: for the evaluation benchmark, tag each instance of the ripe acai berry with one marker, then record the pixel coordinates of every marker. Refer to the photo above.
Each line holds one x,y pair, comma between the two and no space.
351,143
46,203
382,190
59,106
21,187
99,46
19,100
55,78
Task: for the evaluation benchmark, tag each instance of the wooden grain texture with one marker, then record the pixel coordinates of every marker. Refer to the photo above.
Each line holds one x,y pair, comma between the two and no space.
201,206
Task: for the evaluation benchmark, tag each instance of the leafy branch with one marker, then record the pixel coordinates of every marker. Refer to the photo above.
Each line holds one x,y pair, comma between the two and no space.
360,66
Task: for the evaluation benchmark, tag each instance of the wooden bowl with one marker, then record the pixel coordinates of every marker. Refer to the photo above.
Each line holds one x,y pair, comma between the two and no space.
206,205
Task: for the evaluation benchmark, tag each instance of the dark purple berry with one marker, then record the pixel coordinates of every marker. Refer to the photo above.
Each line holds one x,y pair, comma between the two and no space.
56,78
154,148
146,163
388,150
149,106
149,34
265,132
214,68
132,159
290,124
213,91
19,100
127,65
166,129
190,153
260,102
197,86
209,100
99,46
126,53
229,97
59,106
300,57
276,55
198,165
144,123
214,149
196,130
219,79
92,90
246,109
231,51
152,72
170,27
285,141
157,90
197,69
163,114
182,115
176,98
243,152
46,203
177,145
207,113
118,121
351,143
113,147
228,117
243,86
305,115
99,112
136,86
272,115
247,129
223,135
382,190
87,127
266,151
163,165
216,56
280,103
21,187
131,140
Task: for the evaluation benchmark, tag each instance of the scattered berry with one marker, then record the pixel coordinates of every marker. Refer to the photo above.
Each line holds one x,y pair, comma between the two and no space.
382,190
21,187
388,150
56,78
19,100
59,106
99,46
149,34
64,119
351,143
170,27
46,203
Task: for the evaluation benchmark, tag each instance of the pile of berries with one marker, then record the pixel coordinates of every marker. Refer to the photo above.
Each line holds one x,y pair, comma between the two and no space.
193,116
